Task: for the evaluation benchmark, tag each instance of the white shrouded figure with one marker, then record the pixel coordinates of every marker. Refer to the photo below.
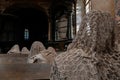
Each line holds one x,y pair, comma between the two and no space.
44,56
36,47
15,49
38,58
25,51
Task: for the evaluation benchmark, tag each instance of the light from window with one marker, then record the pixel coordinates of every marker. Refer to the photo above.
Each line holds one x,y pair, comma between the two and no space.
82,7
88,6
26,34
78,14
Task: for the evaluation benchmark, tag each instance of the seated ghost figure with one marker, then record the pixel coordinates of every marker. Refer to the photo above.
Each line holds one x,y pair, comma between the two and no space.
25,50
91,55
45,56
36,47
49,54
15,49
38,58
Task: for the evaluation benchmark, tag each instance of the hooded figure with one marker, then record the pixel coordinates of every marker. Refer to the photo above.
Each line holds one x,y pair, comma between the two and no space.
49,54
36,47
14,50
45,56
91,55
25,51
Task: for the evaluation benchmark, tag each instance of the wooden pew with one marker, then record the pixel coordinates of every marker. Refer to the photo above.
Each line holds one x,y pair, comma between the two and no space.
24,71
14,67
13,58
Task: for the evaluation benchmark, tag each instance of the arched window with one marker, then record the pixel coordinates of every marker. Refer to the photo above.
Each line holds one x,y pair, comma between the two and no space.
26,34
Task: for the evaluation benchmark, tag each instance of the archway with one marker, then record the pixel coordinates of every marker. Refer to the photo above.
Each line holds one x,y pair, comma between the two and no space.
32,24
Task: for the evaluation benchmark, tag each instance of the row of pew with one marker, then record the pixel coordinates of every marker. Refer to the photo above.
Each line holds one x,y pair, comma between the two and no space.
15,67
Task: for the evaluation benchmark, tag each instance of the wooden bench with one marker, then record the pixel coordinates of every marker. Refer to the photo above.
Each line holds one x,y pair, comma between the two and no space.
13,58
14,67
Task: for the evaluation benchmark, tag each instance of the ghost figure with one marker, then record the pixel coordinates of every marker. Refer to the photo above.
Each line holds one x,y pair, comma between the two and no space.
44,56
14,50
91,55
36,47
25,51
49,54
38,58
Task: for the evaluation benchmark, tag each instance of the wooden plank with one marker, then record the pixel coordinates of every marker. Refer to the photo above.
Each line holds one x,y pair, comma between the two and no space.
14,55
24,71
13,58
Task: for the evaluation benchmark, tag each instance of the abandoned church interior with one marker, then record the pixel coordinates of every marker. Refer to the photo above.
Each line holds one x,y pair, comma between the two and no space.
59,39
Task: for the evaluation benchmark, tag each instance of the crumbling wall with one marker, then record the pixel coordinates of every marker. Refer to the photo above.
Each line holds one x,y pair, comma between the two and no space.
104,5
91,55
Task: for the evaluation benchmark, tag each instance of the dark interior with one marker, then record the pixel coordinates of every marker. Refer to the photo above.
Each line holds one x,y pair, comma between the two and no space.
15,20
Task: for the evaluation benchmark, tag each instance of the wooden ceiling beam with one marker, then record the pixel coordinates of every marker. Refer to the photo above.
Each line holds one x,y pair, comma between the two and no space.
32,0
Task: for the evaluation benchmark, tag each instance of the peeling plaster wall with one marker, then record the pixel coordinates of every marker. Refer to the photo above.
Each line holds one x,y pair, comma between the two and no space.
117,18
104,5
